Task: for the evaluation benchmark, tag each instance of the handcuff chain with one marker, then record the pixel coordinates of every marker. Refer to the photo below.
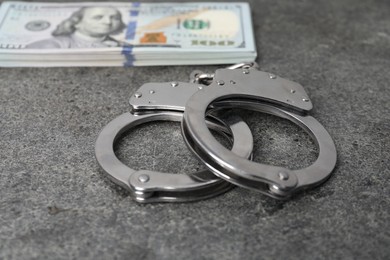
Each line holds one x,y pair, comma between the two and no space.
206,78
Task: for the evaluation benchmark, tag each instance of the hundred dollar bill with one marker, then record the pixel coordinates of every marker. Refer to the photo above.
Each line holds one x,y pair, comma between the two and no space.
124,33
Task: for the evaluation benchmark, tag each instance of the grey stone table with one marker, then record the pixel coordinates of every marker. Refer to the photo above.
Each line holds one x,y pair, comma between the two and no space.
55,202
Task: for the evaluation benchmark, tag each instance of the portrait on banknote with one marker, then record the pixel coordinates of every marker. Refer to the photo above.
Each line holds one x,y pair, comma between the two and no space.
88,27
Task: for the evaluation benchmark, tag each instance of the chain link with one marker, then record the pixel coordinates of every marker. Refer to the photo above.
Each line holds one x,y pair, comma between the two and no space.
206,78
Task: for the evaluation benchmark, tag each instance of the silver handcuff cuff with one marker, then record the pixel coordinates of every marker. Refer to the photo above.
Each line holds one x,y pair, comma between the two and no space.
239,86
160,102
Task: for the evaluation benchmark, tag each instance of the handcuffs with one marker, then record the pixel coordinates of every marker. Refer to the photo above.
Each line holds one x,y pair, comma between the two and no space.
202,104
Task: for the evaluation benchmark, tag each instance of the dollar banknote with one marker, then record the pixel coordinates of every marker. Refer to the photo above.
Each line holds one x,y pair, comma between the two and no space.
124,34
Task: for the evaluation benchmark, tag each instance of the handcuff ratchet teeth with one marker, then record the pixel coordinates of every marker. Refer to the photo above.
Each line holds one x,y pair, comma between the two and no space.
247,87
166,102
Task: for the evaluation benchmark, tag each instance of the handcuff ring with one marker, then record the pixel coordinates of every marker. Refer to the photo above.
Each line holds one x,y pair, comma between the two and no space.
252,89
150,186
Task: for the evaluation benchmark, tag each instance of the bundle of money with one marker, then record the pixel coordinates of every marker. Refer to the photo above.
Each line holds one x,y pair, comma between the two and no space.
36,34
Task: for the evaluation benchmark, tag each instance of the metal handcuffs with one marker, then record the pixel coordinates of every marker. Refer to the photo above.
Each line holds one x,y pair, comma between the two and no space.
160,102
241,85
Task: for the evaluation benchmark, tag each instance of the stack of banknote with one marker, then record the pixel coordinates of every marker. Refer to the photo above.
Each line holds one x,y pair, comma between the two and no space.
36,34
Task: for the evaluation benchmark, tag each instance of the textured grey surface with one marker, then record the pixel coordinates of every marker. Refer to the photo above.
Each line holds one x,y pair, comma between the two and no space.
55,202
